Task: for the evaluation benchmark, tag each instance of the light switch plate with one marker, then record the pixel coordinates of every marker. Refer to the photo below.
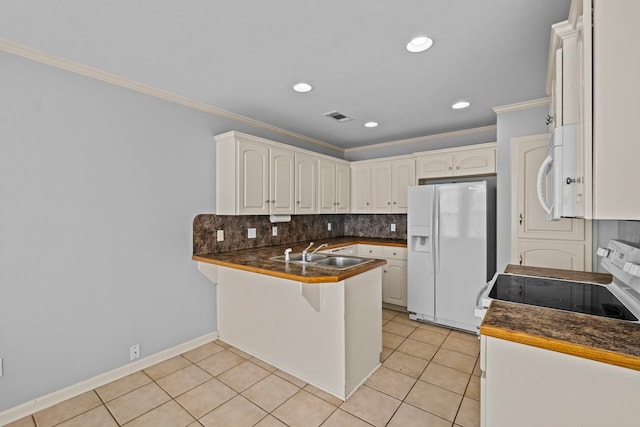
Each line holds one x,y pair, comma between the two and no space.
251,233
393,227
220,235
329,226
274,231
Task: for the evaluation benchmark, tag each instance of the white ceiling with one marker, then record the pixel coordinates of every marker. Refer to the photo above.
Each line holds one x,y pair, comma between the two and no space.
243,56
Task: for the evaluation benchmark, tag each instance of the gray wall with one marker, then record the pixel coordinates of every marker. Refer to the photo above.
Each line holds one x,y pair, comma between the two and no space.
418,146
511,124
99,186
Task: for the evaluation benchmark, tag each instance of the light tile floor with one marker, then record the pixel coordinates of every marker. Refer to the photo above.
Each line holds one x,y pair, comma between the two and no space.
429,377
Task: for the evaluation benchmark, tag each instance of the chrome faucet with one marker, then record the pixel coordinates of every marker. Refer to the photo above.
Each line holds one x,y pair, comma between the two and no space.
305,253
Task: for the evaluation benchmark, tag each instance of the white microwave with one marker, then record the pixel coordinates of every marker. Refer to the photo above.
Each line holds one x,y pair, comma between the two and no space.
556,176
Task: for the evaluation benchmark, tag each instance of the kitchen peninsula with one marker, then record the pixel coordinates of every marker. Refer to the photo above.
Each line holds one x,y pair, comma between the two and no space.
320,324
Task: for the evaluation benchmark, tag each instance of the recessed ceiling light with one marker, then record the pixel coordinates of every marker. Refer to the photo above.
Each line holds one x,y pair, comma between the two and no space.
419,44
302,87
371,124
460,105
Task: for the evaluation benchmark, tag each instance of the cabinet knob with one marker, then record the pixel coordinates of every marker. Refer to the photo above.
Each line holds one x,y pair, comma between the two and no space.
520,219
450,168
298,202
394,254
388,203
384,271
267,201
549,119
520,259
367,203
458,167
395,203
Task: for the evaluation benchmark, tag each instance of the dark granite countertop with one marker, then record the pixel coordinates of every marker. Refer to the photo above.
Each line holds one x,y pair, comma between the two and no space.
597,338
259,260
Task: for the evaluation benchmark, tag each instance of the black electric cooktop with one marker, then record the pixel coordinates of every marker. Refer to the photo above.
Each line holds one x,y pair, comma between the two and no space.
559,294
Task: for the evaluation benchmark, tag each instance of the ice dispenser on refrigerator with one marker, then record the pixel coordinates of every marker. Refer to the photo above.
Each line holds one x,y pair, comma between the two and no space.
420,238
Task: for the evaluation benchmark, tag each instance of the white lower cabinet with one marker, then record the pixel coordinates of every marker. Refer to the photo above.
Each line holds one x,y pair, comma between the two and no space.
528,386
394,282
394,274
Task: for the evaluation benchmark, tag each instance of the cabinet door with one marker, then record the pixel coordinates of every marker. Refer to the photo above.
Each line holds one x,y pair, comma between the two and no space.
528,153
343,188
550,254
306,184
435,165
361,188
615,110
381,187
282,187
475,162
253,178
403,175
394,282
326,186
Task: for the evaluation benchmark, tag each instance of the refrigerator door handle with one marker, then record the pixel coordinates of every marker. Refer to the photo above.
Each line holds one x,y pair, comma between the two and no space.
436,231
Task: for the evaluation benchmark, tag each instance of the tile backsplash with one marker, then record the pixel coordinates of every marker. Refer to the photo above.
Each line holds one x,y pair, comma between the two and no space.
301,227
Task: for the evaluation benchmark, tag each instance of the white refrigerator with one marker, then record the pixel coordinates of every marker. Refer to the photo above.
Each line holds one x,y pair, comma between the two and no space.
451,250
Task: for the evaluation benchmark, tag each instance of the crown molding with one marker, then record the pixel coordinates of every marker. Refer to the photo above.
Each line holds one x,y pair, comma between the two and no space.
464,132
94,73
521,105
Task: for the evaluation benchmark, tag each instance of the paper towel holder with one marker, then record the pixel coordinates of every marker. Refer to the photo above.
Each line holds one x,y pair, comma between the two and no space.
280,218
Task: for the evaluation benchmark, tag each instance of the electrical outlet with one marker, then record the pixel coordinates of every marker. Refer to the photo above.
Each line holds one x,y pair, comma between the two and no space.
393,227
251,233
220,235
329,226
274,231
134,352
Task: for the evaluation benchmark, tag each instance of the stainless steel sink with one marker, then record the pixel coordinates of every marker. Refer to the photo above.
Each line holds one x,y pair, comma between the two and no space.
322,260
341,261
310,257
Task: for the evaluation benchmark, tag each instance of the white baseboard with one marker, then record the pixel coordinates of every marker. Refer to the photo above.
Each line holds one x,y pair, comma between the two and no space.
40,403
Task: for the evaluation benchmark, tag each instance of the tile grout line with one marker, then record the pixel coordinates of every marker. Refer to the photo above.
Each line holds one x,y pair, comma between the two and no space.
447,335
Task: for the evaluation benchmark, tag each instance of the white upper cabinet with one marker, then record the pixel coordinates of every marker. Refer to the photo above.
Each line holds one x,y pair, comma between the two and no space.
256,176
333,186
403,175
343,187
361,188
465,161
281,179
253,178
381,186
306,184
435,165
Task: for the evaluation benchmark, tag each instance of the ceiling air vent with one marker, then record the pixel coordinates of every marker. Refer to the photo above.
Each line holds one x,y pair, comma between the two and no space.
337,116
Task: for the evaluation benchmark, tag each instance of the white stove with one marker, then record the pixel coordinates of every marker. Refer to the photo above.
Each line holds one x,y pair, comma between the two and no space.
618,300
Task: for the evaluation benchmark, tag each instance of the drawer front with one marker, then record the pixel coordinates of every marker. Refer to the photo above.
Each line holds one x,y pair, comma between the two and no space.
393,252
372,251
